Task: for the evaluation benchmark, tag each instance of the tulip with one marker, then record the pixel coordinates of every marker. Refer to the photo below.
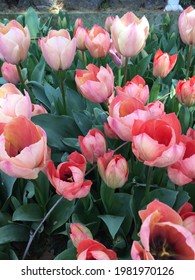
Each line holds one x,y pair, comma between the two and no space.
108,23
191,133
14,42
96,84
94,250
93,145
129,34
8,88
135,88
68,179
10,73
186,24
23,148
97,41
38,110
78,22
163,63
183,170
161,235
80,34
185,91
58,49
156,142
113,169
188,216
118,59
79,232
109,132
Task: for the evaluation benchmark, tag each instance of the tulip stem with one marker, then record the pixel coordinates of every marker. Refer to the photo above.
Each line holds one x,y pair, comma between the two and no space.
20,76
32,236
83,58
189,61
148,183
125,71
119,76
62,90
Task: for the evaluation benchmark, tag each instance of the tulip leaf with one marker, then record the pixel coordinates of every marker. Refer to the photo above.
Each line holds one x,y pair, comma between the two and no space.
41,186
184,117
74,102
143,65
83,121
32,21
13,232
112,222
28,212
39,71
7,183
68,254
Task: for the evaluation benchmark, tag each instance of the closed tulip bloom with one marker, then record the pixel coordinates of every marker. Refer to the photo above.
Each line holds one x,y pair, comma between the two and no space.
79,232
14,42
186,24
161,235
78,22
97,41
135,88
185,91
10,73
93,145
108,23
93,250
129,34
157,142
163,63
80,34
68,180
58,49
182,172
95,84
23,148
113,169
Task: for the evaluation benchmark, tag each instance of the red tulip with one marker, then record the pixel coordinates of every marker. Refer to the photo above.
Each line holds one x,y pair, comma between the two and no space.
185,91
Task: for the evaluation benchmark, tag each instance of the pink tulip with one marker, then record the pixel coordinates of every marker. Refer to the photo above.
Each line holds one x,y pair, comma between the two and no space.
23,148
95,84
79,232
163,63
129,34
58,49
156,142
191,133
186,24
109,132
8,88
10,73
108,23
97,41
38,110
135,88
185,91
113,169
183,171
93,145
161,235
188,216
118,59
78,22
80,34
14,42
93,250
68,179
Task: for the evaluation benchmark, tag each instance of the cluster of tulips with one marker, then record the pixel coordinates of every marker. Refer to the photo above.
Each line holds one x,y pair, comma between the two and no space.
155,137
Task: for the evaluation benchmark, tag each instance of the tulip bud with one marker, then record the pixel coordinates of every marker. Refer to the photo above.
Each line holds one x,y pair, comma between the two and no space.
186,24
163,64
79,232
10,73
185,91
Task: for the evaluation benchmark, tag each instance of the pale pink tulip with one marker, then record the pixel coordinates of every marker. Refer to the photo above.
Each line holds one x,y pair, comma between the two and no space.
10,73
163,63
186,24
14,42
108,23
58,49
129,34
23,148
80,34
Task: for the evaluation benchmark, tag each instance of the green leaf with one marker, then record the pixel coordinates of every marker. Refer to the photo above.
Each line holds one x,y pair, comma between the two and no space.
39,93
13,232
72,142
7,184
107,196
112,222
182,197
184,117
154,92
83,121
68,254
74,101
41,185
143,65
39,71
32,20
28,212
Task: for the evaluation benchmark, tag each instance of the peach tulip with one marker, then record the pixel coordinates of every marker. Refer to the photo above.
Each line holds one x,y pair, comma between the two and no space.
135,88
14,42
129,34
93,250
163,63
183,170
23,148
162,235
10,73
79,232
80,34
113,169
97,41
95,84
186,24
93,145
185,91
58,49
157,142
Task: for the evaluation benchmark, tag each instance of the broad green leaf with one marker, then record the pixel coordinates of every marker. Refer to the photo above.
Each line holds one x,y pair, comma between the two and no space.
41,185
74,101
13,232
185,118
113,223
39,71
28,212
182,197
143,65
7,184
32,21
68,254
39,93
83,121
107,196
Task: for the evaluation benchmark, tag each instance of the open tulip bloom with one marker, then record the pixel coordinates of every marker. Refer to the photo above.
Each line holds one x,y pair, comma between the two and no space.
97,138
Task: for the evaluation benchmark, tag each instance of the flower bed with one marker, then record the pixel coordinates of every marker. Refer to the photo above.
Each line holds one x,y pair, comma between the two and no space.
97,139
